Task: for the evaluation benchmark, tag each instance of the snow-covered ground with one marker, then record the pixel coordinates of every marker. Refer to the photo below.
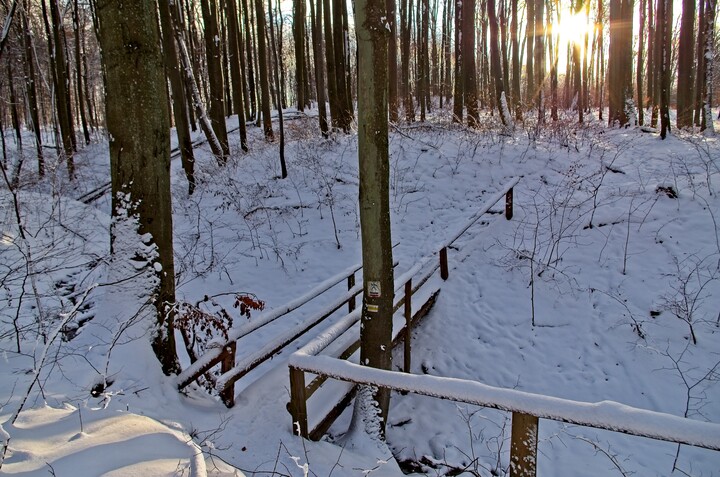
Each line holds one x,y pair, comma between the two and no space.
605,285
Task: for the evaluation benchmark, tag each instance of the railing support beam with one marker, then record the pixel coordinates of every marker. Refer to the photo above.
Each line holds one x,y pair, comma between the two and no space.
509,204
298,402
227,362
523,445
444,273
408,324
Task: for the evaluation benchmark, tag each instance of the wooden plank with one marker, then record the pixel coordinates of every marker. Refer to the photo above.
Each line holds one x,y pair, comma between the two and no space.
408,325
322,427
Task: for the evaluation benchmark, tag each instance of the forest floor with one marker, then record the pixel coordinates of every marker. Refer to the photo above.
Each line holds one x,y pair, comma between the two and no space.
605,285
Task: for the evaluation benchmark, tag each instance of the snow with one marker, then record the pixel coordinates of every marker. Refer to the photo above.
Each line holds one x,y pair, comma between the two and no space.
615,274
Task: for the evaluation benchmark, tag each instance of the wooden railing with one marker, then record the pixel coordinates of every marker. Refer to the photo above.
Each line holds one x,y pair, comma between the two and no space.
408,285
225,354
526,408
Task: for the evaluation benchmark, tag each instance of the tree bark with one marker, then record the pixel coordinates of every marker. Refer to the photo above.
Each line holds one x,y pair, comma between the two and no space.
373,156
213,52
316,26
263,71
686,70
29,64
238,79
179,103
138,123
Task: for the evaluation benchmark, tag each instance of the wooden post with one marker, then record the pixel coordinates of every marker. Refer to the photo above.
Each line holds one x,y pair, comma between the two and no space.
523,445
351,301
444,264
408,320
509,204
298,403
226,364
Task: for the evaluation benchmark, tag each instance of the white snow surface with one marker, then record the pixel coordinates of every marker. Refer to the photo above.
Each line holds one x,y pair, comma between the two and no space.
593,292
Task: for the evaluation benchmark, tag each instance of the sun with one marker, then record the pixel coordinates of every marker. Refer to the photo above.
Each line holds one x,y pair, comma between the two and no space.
572,27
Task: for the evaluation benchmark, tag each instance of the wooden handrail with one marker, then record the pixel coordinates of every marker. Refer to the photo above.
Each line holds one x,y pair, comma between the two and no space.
606,415
298,409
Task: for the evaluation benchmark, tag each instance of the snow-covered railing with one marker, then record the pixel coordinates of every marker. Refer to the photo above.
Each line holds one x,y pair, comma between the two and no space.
225,354
421,272
507,191
402,328
527,408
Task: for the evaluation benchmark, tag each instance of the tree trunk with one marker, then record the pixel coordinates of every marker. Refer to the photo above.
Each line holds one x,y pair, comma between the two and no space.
665,12
276,63
215,75
468,62
516,100
405,12
459,93
78,71
639,68
247,64
686,58
179,103
234,55
319,70
495,60
138,123
29,64
298,28
374,165
619,63
706,124
60,82
263,69
530,45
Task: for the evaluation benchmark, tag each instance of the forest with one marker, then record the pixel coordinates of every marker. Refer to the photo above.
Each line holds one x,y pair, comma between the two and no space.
325,281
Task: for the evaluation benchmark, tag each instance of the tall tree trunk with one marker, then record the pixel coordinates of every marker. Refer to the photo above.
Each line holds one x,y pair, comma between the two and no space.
393,100
179,103
619,64
495,60
516,100
374,165
298,28
247,63
263,71
468,62
215,74
706,124
423,60
530,56
61,84
639,68
331,74
666,13
699,68
235,49
276,66
539,61
29,64
78,71
459,93
316,25
405,27
686,58
138,122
